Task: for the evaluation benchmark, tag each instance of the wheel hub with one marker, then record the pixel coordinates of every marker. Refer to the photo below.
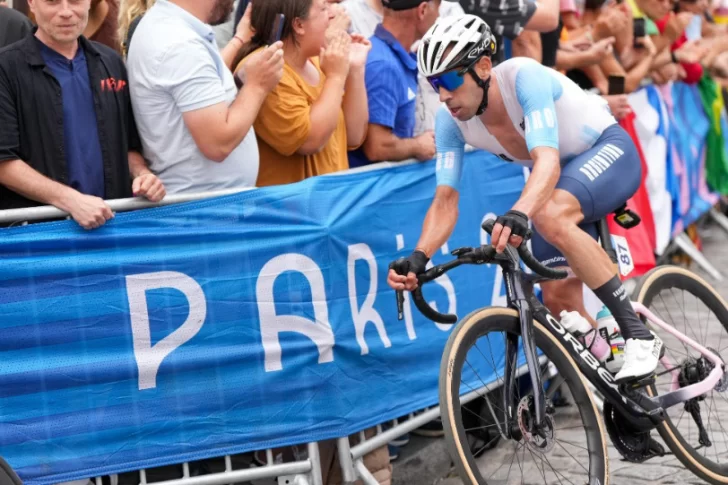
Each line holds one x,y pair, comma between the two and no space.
542,441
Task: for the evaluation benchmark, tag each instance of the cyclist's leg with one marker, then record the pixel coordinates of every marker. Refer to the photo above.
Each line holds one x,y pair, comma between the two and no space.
566,294
591,186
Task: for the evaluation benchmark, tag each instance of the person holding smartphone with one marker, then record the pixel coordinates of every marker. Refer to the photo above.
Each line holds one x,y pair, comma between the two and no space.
195,126
319,109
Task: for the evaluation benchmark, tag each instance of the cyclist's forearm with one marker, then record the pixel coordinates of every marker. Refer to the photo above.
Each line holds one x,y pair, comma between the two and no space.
542,181
440,220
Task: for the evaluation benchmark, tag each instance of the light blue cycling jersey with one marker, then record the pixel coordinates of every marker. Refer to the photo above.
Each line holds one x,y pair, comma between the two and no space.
545,107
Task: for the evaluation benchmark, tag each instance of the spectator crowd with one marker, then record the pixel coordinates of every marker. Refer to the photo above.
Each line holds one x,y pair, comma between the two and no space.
106,99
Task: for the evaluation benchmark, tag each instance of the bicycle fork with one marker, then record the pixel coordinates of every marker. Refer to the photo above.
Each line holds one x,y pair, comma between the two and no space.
518,299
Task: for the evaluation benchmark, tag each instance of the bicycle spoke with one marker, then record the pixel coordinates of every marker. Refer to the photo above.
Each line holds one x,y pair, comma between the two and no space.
485,393
555,472
481,380
518,461
671,319
509,468
481,427
476,415
572,444
682,309
537,468
572,456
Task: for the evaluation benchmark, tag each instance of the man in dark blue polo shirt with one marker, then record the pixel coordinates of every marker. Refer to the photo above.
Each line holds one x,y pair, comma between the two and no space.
391,80
80,133
68,135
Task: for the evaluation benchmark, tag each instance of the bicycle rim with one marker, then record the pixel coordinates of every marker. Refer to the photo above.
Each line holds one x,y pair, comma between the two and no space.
685,301
578,450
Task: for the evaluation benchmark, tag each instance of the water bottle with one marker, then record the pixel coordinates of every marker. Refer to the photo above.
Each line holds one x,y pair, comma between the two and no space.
580,327
609,330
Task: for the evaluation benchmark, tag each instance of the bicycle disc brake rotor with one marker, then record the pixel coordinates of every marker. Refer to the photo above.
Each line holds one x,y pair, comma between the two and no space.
634,446
527,425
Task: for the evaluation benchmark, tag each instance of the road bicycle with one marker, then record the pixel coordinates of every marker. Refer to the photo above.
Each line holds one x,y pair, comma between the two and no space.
690,374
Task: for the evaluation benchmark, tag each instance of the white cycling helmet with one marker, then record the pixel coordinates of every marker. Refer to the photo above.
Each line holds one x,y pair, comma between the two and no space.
469,36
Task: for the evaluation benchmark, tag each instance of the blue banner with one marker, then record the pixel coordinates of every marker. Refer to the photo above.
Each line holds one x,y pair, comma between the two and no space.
227,325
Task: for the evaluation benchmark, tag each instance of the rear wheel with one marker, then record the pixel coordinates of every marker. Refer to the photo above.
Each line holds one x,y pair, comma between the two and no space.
575,449
684,300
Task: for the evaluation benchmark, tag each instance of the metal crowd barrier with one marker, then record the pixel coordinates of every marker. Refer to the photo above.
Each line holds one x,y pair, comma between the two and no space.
308,471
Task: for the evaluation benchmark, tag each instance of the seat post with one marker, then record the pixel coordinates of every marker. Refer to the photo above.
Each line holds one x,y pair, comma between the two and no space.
606,240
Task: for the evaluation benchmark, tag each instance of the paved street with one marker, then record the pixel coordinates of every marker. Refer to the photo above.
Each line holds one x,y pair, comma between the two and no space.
567,456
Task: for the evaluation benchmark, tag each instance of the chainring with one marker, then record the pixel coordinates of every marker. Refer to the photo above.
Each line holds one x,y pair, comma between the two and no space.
635,446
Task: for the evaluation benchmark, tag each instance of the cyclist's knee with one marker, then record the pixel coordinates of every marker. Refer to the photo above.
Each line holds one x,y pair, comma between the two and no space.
558,217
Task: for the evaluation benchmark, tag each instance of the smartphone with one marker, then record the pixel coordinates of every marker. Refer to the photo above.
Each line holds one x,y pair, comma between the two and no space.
239,12
616,84
639,31
277,28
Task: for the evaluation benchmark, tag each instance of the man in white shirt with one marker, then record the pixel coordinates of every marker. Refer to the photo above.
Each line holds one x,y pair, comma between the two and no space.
196,128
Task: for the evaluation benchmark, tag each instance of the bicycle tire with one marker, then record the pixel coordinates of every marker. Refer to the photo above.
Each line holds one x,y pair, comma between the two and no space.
500,319
650,285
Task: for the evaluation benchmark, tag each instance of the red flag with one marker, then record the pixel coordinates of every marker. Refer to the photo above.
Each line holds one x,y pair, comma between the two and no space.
641,239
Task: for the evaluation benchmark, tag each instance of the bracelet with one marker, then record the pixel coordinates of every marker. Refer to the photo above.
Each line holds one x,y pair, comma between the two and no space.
236,36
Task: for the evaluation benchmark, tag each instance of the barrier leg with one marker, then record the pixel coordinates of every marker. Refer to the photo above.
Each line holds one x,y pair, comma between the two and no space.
684,243
364,474
315,459
293,480
719,218
347,466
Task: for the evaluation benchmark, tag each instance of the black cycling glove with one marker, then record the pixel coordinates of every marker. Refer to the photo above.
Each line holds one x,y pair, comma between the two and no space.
414,263
517,221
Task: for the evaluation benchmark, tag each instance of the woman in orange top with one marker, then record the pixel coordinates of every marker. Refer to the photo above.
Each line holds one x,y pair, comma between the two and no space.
319,109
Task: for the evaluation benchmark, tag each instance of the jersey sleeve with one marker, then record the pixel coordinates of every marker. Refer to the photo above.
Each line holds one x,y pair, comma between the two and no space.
450,145
536,91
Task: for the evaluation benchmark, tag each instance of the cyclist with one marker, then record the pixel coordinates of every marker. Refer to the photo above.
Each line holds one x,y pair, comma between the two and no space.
583,167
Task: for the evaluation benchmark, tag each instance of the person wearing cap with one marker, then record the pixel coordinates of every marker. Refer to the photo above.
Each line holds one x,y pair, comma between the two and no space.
391,82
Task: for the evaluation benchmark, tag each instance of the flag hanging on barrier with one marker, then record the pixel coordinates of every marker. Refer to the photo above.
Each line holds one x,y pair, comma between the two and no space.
717,154
641,239
650,127
689,144
245,322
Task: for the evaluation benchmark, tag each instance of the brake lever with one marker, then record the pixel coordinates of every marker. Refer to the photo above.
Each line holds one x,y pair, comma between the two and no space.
400,304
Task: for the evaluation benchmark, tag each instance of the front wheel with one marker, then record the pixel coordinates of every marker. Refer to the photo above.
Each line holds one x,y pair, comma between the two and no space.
575,448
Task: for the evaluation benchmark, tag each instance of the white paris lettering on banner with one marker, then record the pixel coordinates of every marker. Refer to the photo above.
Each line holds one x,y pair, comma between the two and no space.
366,313
149,357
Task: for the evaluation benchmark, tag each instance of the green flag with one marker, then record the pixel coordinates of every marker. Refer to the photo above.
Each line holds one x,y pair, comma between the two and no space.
716,156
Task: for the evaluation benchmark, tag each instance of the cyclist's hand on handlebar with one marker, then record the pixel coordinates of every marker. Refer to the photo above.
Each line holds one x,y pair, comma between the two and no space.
510,228
403,272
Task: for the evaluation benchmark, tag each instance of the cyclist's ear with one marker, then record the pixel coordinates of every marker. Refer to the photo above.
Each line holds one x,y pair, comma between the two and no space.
483,67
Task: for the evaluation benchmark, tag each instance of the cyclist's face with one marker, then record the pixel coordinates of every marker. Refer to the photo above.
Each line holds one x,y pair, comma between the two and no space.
463,102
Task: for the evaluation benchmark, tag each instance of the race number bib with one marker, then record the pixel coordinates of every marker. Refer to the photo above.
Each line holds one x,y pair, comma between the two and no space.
624,256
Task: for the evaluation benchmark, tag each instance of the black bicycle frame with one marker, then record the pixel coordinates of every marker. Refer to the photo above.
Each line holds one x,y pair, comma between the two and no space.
519,291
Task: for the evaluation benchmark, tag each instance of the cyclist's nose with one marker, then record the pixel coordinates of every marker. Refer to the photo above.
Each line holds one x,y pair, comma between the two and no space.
444,94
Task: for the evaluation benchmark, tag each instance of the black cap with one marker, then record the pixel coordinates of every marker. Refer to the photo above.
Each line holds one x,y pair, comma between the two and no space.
405,4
